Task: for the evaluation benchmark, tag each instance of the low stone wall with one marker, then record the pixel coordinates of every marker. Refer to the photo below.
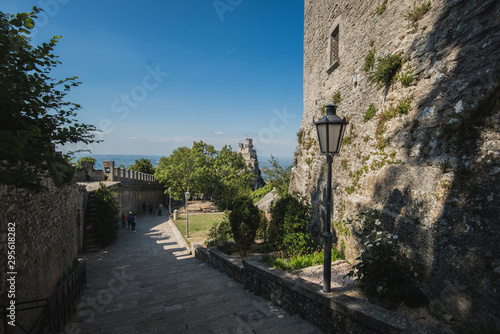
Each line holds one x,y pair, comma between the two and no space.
332,312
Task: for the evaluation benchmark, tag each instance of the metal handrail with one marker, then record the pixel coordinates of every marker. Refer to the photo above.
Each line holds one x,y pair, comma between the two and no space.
56,309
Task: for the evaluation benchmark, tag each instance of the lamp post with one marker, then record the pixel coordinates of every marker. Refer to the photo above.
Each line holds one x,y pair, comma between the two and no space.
330,130
169,202
187,213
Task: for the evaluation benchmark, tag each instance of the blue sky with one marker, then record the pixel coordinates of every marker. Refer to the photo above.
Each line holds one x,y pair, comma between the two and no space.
157,75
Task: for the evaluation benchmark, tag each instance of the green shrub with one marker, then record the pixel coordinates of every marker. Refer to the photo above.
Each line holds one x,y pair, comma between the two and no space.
418,12
244,220
220,232
258,194
381,278
300,136
299,261
407,78
289,227
386,69
369,61
337,97
382,8
370,113
107,213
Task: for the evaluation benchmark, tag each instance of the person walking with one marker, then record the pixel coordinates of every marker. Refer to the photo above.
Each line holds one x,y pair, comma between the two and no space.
150,209
134,222
160,207
124,219
129,220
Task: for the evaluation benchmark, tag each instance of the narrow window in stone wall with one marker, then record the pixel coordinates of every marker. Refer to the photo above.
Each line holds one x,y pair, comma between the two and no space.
333,47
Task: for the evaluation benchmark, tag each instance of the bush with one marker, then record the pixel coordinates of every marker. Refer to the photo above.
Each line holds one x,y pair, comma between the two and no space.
381,278
418,12
107,213
299,261
369,61
386,69
259,194
220,233
244,220
370,112
289,226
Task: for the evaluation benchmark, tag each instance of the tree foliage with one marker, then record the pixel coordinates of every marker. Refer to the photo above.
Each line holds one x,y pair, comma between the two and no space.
107,213
245,220
279,177
205,171
85,160
143,165
34,114
289,229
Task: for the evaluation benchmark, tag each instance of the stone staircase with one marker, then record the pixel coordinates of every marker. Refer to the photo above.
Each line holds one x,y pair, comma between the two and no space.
90,240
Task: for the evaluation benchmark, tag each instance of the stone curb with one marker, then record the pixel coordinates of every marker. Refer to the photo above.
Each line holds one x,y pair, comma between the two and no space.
180,239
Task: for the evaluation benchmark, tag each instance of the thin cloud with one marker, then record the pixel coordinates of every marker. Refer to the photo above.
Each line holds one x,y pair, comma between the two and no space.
218,133
237,46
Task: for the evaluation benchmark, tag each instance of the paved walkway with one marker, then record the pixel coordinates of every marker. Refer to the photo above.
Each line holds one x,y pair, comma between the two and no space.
145,283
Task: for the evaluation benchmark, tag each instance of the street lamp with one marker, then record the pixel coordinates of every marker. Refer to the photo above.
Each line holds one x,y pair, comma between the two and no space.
187,212
330,130
169,202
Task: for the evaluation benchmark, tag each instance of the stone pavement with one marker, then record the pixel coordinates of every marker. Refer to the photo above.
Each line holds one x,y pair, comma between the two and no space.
147,283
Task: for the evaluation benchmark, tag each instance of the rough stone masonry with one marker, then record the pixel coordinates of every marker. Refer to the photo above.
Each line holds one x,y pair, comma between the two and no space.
422,149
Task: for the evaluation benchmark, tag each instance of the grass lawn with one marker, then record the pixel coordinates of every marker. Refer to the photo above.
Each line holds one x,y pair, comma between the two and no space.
199,225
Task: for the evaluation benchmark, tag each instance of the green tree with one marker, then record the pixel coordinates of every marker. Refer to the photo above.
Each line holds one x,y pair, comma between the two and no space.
279,177
143,165
34,115
244,220
184,169
83,160
289,227
203,170
232,178
107,213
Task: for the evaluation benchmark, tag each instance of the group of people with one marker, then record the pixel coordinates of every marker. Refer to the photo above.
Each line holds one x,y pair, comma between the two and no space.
129,220
152,211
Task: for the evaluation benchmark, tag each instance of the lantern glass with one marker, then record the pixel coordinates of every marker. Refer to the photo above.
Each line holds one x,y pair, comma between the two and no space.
330,136
187,195
330,130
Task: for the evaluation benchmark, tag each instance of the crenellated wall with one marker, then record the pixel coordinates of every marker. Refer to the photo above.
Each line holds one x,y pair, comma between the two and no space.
127,176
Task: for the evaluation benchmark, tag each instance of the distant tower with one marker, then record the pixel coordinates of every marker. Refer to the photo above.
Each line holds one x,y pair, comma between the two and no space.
250,155
108,169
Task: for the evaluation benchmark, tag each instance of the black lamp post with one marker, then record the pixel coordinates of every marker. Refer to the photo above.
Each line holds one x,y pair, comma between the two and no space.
187,213
330,130
169,202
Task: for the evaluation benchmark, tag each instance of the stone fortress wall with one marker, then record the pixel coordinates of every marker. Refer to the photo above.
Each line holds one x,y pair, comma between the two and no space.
49,226
112,173
433,170
132,188
127,176
48,236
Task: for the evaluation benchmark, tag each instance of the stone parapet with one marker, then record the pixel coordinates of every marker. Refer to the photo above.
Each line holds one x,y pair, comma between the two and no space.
127,176
332,312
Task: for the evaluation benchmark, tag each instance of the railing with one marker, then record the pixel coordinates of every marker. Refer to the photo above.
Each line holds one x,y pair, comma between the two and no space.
56,310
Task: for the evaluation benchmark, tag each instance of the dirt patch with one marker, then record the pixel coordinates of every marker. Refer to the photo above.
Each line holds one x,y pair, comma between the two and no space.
199,207
339,282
